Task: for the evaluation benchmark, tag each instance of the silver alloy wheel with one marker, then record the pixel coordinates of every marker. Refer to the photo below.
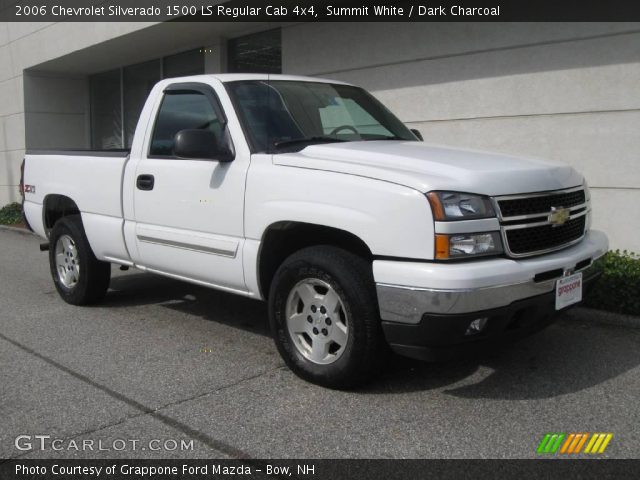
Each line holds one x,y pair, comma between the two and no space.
67,261
317,321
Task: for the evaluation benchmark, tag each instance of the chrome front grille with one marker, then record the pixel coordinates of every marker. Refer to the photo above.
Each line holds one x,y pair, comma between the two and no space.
542,204
538,223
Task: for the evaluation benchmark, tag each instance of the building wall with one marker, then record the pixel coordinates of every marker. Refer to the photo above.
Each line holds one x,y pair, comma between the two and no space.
561,91
52,100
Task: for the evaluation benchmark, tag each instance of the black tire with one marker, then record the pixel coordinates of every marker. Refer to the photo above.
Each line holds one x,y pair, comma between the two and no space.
93,275
351,277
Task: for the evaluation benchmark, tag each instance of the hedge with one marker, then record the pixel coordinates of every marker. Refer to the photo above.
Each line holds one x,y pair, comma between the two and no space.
618,289
11,214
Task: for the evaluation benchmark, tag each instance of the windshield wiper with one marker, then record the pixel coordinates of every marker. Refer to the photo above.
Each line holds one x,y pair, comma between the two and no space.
395,137
315,139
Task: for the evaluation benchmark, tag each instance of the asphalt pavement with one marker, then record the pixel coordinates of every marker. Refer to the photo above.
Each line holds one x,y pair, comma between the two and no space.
164,369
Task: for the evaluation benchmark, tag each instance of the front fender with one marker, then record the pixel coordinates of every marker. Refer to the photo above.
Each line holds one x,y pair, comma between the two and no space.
393,220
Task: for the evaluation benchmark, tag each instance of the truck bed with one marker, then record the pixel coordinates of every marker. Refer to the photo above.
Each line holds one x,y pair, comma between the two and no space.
92,179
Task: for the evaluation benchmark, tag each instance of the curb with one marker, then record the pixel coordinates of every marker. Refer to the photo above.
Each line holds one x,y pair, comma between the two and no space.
591,315
22,231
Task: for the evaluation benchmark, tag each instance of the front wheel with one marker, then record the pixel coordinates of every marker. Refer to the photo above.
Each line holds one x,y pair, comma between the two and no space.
80,278
324,316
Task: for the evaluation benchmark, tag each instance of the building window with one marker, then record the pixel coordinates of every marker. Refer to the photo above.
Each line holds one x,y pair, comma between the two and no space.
256,53
137,81
183,64
106,110
117,96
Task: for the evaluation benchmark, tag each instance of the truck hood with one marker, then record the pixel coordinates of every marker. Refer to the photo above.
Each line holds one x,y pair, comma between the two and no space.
426,167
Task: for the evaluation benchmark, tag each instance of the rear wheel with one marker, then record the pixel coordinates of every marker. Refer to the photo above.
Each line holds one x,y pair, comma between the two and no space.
80,278
324,316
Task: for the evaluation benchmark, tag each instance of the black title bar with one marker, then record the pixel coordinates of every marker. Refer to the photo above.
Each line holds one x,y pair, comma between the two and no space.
318,11
315,469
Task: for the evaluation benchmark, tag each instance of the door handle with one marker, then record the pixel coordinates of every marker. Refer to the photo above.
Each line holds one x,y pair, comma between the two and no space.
145,182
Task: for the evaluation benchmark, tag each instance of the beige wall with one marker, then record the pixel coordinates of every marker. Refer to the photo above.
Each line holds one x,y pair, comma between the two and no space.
25,45
569,92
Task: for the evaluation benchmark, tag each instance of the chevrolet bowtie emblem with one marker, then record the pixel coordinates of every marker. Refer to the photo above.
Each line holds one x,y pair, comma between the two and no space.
558,216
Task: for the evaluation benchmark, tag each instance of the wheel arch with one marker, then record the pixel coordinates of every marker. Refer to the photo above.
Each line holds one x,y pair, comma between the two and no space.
283,238
55,207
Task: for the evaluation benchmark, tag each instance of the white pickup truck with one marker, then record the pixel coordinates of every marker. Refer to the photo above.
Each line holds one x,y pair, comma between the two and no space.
310,194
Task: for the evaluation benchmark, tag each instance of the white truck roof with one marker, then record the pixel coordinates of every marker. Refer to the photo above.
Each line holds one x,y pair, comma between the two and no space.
234,77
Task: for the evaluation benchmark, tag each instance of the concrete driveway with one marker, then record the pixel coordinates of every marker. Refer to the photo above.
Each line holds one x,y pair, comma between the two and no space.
171,370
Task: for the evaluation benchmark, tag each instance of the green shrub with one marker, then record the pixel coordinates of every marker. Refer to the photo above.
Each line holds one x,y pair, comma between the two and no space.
11,214
618,289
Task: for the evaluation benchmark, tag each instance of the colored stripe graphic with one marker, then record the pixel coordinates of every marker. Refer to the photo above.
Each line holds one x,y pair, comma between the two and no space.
591,443
579,444
556,445
577,439
598,443
607,439
550,443
572,443
567,442
543,443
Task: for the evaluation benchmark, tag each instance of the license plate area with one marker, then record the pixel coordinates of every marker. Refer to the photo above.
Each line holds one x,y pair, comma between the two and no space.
568,290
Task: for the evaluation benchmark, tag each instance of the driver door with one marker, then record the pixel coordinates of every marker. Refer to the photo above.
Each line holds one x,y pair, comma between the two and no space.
189,212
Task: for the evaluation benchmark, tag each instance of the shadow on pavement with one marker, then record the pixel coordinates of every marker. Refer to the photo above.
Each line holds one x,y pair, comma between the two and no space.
565,358
138,289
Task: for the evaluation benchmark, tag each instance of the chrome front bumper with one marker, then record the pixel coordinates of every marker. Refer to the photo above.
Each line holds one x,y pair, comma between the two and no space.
407,304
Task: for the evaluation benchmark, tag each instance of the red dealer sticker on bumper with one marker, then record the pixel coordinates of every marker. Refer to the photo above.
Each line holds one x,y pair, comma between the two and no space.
568,290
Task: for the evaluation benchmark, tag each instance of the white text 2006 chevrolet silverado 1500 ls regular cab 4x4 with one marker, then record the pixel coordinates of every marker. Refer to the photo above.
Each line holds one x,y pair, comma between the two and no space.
311,195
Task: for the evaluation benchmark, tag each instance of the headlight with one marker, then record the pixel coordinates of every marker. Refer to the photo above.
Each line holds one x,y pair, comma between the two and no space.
464,245
459,206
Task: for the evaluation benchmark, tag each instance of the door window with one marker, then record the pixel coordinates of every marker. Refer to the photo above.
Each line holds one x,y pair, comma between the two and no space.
180,111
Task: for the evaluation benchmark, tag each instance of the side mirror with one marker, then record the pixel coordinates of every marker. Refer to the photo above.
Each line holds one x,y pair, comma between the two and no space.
200,145
417,134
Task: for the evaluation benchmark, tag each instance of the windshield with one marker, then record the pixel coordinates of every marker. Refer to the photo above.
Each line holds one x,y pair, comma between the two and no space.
281,115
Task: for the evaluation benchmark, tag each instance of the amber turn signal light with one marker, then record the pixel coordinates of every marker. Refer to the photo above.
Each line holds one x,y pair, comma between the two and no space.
436,206
442,247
